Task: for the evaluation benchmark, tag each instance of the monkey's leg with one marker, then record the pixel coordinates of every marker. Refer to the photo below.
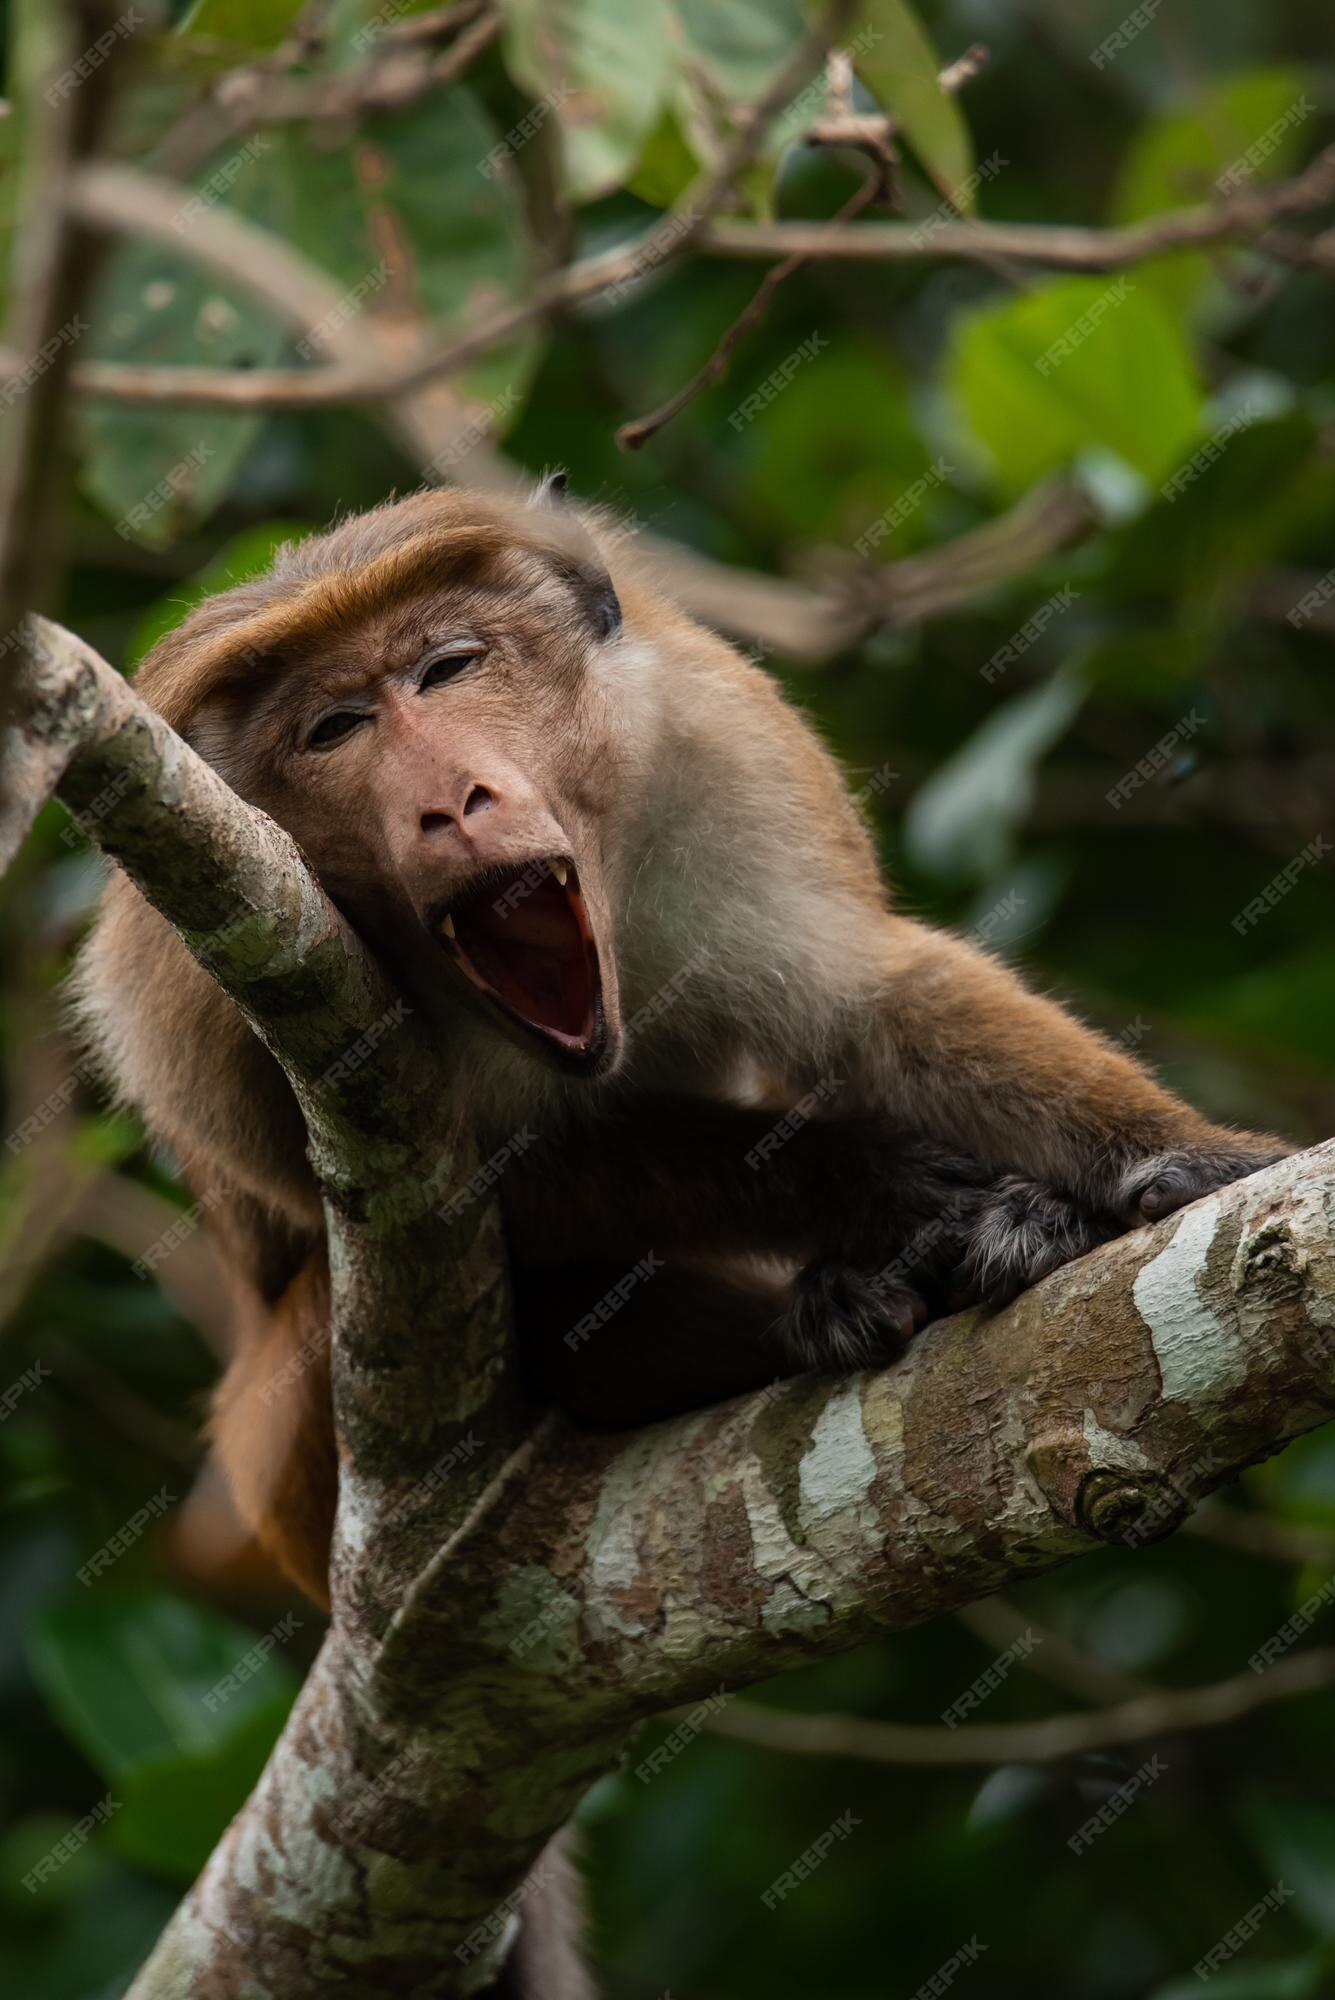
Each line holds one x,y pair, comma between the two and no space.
272,1428
881,1220
684,1175
613,1347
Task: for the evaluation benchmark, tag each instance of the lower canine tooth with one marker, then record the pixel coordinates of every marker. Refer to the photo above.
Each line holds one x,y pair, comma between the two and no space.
560,871
448,927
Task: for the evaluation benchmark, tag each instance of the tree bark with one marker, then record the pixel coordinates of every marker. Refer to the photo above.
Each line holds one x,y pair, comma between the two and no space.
512,1597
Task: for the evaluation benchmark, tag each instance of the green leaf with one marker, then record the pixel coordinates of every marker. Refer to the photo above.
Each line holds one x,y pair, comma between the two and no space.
1297,1839
420,208
737,47
900,67
251,24
962,821
835,448
1079,363
606,72
127,1675
739,44
667,165
175,1809
1286,1979
157,470
1176,158
136,1680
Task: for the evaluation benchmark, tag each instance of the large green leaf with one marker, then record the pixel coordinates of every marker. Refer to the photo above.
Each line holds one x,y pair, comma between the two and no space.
1076,364
1175,159
1297,1839
962,821
898,64
158,469
405,217
739,44
604,69
409,210
134,1679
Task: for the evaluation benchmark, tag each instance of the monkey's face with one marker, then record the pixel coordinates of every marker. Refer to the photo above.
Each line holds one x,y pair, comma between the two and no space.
446,764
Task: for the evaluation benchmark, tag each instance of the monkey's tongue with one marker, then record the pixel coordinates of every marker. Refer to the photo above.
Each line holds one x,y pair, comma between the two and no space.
530,947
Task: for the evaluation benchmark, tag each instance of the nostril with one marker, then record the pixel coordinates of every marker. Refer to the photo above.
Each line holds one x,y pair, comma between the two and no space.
436,822
478,800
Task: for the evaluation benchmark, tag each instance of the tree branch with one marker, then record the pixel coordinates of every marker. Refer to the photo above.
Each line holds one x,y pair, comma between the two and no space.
1239,217
1166,1712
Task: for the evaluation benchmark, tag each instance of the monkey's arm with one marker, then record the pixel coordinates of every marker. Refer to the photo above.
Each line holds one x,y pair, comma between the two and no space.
963,1051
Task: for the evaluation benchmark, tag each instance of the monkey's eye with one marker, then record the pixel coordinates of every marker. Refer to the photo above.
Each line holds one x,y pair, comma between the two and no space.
443,667
335,727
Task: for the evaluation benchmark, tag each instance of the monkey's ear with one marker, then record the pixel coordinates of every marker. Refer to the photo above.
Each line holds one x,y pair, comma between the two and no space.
586,572
552,486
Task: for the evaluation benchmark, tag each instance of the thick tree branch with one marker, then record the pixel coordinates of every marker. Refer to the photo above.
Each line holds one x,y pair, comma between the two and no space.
598,1581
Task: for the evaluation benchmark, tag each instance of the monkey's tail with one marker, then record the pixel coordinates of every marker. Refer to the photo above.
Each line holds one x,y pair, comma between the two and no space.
547,1962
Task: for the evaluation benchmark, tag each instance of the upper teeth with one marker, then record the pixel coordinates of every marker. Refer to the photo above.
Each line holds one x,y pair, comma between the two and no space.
560,871
448,926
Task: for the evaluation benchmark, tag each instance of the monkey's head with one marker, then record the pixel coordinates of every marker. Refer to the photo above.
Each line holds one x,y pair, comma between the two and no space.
422,698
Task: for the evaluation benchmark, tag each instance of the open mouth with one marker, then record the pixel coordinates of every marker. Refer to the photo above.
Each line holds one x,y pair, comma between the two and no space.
522,937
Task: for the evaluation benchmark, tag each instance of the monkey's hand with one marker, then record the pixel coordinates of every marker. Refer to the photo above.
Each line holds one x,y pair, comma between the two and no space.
1153,1188
1023,1230
904,1238
842,1318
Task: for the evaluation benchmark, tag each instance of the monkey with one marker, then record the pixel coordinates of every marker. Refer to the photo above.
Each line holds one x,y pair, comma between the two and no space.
742,1116
602,856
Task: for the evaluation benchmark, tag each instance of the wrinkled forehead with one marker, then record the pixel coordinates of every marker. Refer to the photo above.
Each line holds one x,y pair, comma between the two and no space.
375,616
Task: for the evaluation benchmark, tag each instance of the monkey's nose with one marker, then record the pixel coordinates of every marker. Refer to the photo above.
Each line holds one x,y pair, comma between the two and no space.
479,798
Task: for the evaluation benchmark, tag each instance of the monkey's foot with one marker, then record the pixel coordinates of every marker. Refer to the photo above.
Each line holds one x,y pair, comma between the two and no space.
1024,1230
842,1318
1157,1187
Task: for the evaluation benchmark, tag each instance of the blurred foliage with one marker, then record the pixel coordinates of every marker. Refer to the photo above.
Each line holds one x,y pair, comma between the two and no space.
1171,628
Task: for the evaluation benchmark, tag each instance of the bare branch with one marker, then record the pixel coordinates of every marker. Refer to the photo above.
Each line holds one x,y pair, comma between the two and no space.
1052,1657
1168,1712
1239,217
1243,216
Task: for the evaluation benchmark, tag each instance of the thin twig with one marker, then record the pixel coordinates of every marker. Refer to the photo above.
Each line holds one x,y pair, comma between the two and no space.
1168,1712
266,93
1051,1656
399,77
634,435
1239,217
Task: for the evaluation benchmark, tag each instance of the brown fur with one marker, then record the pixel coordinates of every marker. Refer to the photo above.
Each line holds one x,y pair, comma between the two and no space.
722,865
